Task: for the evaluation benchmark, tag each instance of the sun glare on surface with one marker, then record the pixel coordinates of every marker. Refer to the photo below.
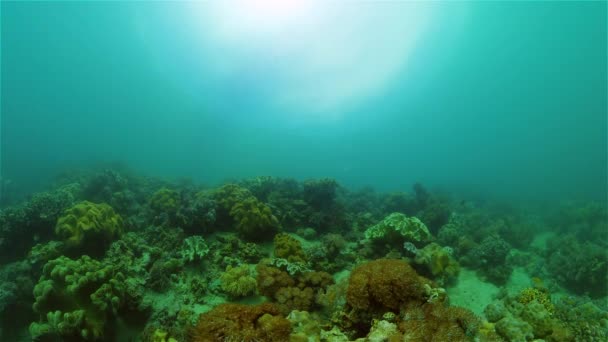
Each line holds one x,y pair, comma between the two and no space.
324,56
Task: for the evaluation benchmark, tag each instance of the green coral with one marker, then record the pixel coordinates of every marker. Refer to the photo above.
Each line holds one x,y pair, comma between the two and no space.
229,195
77,298
165,201
238,281
86,225
162,336
400,227
289,248
194,248
43,252
254,220
438,261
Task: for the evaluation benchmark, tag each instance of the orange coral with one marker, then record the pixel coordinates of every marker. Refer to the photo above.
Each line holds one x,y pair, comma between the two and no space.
243,323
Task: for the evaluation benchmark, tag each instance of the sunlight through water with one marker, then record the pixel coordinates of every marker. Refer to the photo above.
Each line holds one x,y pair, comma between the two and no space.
326,57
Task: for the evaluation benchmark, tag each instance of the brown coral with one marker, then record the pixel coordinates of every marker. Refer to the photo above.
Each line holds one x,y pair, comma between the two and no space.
242,323
254,220
384,285
438,322
292,293
289,248
271,279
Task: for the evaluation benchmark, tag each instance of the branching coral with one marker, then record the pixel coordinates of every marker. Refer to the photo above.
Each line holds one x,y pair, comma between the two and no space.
242,323
86,226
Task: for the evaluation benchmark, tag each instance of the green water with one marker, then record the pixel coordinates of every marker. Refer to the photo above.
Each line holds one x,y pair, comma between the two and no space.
303,171
492,97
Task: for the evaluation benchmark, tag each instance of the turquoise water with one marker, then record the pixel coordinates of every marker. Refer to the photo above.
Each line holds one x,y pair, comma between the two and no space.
488,118
492,97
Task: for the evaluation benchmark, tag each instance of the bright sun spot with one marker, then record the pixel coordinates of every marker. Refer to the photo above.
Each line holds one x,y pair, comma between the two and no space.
324,56
269,15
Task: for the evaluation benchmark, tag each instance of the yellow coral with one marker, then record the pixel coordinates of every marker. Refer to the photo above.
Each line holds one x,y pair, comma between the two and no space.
87,222
162,336
530,294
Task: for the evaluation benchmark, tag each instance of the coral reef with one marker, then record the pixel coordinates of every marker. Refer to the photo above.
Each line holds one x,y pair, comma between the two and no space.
530,314
387,237
254,219
237,322
238,281
194,248
292,292
87,226
438,262
324,209
165,201
152,255
384,285
400,228
582,319
289,248
582,267
164,204
77,299
197,213
24,225
490,257
392,286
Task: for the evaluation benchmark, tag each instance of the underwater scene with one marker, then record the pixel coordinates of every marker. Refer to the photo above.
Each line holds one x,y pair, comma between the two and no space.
303,171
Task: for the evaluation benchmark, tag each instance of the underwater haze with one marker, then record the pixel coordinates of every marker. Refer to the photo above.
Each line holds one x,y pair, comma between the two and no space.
298,170
494,98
